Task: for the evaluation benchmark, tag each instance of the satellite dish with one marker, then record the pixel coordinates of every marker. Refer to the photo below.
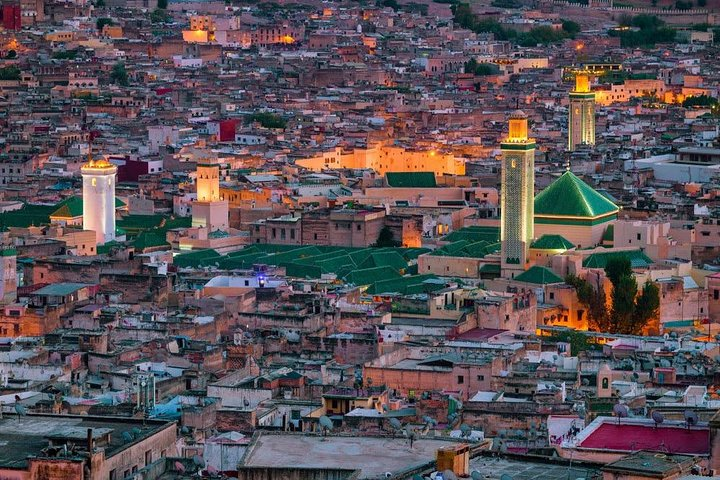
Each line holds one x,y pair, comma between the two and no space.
20,410
635,376
658,418
395,424
465,430
198,461
475,475
585,382
449,475
127,437
505,476
620,411
691,418
325,423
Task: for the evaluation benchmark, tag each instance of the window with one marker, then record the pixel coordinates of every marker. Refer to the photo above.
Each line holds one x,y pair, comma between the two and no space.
314,236
716,294
639,237
552,295
274,233
292,234
461,380
148,457
481,378
359,227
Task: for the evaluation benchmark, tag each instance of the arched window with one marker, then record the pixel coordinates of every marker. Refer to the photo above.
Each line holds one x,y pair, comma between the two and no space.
605,382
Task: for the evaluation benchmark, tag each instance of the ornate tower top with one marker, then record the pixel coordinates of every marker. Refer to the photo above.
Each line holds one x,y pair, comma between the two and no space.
582,83
518,128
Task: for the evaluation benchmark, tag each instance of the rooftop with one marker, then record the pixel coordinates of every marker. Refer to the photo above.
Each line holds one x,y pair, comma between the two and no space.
30,434
605,433
569,196
373,456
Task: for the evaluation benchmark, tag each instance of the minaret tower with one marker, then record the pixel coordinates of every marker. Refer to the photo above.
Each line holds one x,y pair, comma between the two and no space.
517,196
209,210
99,198
581,124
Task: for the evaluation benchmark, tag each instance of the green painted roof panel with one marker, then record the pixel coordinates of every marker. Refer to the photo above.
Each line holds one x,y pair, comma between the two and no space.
569,196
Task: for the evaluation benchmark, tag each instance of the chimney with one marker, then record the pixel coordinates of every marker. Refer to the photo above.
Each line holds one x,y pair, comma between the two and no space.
90,440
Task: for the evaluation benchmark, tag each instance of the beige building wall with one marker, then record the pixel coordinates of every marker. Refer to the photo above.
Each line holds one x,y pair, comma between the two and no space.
385,159
581,236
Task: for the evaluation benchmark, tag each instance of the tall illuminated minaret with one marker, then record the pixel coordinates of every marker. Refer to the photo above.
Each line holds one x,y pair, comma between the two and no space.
517,196
99,198
209,210
581,124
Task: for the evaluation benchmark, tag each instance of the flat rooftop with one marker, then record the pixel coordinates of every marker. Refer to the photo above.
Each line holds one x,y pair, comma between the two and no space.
21,437
493,468
629,437
372,455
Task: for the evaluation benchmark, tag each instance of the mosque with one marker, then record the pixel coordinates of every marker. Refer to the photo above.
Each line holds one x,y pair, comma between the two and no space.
568,214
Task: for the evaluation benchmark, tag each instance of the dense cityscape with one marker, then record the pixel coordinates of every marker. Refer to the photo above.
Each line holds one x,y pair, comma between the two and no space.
359,239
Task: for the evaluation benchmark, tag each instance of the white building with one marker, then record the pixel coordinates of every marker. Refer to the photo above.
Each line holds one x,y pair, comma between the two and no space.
99,199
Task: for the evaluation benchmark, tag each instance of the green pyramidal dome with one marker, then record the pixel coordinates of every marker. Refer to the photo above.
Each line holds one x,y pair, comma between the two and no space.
569,196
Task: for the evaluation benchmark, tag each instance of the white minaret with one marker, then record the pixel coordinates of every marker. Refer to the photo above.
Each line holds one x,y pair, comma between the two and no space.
99,199
209,210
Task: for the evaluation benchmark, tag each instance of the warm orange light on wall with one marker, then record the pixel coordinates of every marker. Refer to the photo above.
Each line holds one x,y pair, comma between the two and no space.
287,39
582,83
518,127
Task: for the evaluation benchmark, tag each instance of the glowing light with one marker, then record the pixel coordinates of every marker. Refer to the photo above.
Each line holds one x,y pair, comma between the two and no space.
579,46
287,39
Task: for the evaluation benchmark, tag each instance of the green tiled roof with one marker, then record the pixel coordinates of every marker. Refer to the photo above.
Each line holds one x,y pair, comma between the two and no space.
539,276
552,242
151,239
26,216
411,179
196,258
72,207
368,276
406,285
637,258
467,248
569,196
474,234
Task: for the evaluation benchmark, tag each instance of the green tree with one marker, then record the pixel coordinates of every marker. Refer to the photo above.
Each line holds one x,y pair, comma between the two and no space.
268,120
472,66
100,3
162,4
159,16
11,54
700,101
10,73
594,300
578,341
682,5
101,22
570,27
386,238
647,305
623,296
119,75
